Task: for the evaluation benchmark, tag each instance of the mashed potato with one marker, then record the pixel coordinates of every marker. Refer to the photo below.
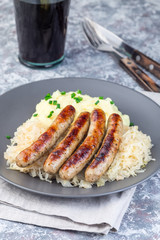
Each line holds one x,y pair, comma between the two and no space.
134,150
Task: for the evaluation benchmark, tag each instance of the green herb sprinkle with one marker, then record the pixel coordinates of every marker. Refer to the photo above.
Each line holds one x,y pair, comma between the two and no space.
97,102
73,95
79,91
55,102
58,106
8,137
78,99
48,96
50,115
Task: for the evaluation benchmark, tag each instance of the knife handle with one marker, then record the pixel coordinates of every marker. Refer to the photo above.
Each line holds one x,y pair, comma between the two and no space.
146,62
139,75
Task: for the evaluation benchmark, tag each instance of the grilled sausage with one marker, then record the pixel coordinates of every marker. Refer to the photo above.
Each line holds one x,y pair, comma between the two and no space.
87,149
47,139
108,150
66,147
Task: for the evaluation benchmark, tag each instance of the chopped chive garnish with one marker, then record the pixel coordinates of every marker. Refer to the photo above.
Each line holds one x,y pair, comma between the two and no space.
111,102
131,124
8,137
79,91
78,99
50,102
101,97
58,106
35,115
73,95
48,96
97,102
50,115
63,93
55,102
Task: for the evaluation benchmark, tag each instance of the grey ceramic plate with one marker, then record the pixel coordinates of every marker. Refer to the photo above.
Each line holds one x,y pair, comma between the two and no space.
18,105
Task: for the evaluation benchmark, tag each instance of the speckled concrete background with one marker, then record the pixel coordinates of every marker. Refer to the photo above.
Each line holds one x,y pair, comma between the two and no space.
138,23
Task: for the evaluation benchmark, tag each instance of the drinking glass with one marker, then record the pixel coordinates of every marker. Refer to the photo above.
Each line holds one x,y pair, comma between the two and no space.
41,31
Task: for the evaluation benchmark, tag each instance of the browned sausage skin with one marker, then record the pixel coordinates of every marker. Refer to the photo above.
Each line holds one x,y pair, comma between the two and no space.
108,150
47,139
87,149
66,147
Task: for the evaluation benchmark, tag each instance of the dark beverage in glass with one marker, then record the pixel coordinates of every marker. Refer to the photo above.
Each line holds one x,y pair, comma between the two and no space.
41,31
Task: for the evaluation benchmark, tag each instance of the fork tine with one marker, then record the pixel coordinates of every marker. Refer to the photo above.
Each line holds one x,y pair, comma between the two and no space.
94,38
93,35
89,34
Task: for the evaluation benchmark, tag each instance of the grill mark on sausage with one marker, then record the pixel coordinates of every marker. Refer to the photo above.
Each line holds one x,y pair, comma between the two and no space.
64,113
69,138
105,150
59,152
66,147
81,154
47,139
87,149
108,150
95,115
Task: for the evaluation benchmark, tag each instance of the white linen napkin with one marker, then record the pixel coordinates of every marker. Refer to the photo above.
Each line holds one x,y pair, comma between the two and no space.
98,215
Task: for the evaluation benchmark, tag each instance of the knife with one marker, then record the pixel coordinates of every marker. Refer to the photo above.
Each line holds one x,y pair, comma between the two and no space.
122,47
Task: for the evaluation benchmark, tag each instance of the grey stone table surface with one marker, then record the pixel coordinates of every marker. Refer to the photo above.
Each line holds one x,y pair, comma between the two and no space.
138,22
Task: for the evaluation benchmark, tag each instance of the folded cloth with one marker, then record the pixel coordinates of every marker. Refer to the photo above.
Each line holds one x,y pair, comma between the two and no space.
98,214
153,95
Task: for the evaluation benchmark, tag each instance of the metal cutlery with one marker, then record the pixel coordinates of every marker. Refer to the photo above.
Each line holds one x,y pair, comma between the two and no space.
104,40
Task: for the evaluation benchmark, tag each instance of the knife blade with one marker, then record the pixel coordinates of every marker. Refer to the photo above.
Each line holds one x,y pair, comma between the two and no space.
121,46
